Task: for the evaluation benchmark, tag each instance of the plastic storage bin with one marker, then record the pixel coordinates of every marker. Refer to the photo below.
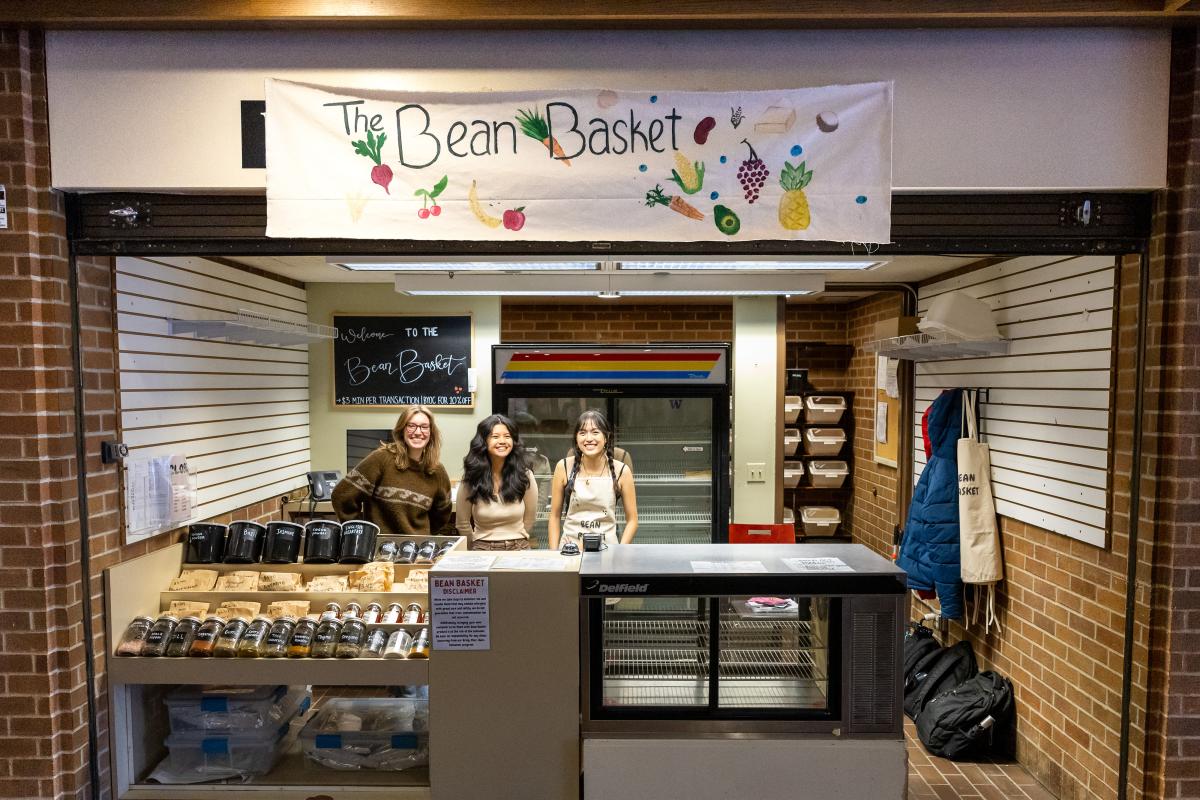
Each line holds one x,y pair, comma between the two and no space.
828,474
789,517
231,709
820,520
793,471
792,406
791,441
219,755
823,441
823,409
369,733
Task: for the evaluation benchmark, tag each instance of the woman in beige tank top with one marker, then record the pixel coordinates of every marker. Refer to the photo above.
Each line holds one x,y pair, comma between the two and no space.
589,482
497,499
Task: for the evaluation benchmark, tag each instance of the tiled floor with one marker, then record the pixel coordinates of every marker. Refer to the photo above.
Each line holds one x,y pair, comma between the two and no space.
934,778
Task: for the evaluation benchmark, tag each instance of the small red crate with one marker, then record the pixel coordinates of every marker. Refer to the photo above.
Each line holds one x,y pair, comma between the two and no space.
767,533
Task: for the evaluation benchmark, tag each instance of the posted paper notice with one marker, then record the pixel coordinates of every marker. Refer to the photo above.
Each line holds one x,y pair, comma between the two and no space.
460,612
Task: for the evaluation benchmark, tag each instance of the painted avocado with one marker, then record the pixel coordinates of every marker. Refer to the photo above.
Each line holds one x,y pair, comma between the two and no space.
727,221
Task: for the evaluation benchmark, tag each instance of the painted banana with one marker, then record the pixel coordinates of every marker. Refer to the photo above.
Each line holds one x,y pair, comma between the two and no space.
477,209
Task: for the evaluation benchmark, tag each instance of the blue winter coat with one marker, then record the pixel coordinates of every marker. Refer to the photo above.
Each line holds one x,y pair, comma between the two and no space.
929,550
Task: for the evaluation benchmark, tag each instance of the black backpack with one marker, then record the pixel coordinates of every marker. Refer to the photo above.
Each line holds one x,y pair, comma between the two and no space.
962,723
939,672
920,649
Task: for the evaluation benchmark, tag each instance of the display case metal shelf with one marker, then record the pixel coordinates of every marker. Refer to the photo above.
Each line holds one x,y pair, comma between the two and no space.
936,347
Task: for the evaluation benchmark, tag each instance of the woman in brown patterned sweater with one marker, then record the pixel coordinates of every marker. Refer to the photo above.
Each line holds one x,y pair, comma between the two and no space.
401,486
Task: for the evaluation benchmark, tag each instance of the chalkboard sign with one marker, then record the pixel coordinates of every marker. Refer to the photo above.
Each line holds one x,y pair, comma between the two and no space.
399,360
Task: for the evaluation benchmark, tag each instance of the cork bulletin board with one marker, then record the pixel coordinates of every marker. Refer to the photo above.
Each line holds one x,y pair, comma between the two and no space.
886,434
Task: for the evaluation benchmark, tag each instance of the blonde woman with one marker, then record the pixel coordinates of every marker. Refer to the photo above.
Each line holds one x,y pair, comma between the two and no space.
401,486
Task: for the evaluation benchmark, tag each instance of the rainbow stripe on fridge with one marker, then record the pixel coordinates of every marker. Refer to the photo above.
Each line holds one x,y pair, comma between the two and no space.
620,366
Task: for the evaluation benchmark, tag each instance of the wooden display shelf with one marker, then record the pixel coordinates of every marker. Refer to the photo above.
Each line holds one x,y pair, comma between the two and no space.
263,671
317,600
297,566
294,777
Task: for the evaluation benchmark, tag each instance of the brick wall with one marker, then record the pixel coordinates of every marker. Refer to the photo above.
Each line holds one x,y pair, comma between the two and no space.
874,504
615,324
1061,606
43,732
1174,748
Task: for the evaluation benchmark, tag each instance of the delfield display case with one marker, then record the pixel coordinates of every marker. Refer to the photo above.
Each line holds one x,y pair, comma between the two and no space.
669,408
793,647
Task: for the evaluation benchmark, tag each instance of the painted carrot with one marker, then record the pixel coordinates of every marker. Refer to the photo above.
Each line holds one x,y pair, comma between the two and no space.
655,197
534,126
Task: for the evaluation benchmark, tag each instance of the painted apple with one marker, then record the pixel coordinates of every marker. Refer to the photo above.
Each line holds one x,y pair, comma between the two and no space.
514,218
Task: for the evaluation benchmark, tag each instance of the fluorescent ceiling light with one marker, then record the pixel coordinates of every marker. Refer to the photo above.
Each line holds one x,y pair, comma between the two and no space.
604,284
762,265
495,293
394,264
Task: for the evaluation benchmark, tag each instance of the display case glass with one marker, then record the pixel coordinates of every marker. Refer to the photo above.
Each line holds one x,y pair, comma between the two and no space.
772,654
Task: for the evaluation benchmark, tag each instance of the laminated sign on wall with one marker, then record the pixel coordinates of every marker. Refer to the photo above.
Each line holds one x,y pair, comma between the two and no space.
601,165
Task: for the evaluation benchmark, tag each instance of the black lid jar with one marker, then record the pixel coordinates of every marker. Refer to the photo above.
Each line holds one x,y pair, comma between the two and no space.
358,542
283,543
322,539
244,543
205,543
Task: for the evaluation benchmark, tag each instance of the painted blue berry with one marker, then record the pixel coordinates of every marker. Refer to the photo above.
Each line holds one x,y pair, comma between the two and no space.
653,98
723,159
714,195
862,198
796,150
641,167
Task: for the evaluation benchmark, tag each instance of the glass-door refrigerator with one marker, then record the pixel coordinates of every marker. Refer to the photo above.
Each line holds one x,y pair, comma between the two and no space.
669,408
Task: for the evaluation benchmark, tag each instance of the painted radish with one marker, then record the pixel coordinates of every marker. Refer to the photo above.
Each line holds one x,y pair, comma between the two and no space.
372,148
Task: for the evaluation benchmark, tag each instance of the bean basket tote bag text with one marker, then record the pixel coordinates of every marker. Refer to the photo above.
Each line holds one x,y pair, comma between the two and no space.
979,537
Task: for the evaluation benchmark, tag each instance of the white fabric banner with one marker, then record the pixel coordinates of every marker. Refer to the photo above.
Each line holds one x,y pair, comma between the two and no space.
580,165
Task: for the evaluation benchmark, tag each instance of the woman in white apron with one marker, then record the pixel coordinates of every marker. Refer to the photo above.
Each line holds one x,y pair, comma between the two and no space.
589,482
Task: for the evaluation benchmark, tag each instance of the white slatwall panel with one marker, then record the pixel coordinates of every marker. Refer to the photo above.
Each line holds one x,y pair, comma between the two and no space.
1048,415
237,410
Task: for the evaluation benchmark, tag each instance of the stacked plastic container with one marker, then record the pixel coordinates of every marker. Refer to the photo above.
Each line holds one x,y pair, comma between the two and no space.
375,733
823,440
230,731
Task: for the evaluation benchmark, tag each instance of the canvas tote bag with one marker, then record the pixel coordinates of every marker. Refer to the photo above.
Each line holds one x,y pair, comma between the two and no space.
979,537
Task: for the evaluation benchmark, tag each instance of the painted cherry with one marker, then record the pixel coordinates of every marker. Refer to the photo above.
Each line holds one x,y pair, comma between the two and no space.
435,210
423,213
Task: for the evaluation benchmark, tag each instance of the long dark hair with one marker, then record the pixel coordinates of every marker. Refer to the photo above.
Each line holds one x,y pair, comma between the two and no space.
597,418
477,465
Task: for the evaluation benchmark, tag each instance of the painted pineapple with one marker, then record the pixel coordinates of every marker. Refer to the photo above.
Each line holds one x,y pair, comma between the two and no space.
793,206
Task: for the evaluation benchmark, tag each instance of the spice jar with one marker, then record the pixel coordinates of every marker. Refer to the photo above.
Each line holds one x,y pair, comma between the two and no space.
373,613
398,645
350,643
393,613
446,548
386,552
181,638
353,611
425,552
135,636
231,636
300,645
206,638
326,638
408,553
412,614
373,646
335,608
420,648
251,645
160,633
277,640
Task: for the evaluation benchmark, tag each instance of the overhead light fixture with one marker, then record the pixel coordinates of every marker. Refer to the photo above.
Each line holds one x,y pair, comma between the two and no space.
425,264
824,264
610,285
